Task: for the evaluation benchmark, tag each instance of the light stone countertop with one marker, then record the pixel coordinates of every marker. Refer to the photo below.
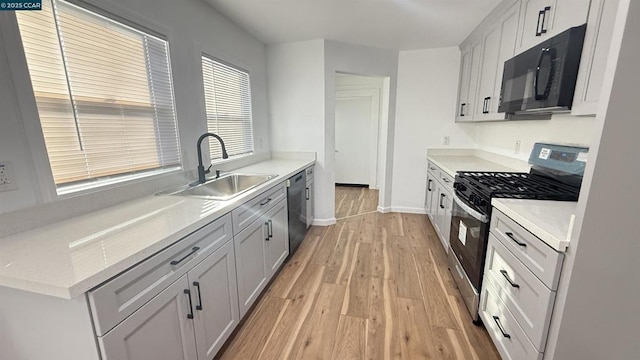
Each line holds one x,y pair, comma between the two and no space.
551,221
454,163
68,258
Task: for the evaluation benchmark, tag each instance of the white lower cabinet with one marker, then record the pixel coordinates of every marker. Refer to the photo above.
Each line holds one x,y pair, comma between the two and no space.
184,302
159,330
518,290
260,250
191,319
214,294
310,197
439,202
507,335
277,245
251,264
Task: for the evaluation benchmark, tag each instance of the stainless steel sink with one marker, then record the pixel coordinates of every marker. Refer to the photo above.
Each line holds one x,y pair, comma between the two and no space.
223,188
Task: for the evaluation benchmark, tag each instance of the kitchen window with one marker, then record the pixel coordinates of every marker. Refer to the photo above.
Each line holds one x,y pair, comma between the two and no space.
104,95
227,94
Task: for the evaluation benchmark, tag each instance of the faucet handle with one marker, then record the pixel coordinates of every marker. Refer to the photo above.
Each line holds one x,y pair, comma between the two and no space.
208,169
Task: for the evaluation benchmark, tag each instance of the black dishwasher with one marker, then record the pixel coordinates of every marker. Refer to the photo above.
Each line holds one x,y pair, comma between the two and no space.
297,210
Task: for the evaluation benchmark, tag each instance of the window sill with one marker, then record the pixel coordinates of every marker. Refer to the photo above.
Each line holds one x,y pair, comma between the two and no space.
69,191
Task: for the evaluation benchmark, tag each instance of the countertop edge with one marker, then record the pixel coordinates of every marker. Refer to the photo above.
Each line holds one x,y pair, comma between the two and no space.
97,279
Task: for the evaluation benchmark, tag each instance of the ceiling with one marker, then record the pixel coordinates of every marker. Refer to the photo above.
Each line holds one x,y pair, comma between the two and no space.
388,24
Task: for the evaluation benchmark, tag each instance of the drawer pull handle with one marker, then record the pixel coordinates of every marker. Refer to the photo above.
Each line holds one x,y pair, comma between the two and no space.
510,235
307,197
442,196
190,314
506,276
497,320
266,223
270,228
197,285
266,202
429,185
193,251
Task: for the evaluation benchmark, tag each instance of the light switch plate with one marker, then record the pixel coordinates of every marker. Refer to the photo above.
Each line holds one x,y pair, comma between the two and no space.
7,176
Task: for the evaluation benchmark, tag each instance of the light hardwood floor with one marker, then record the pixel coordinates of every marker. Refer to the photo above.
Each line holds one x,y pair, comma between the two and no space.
352,201
374,286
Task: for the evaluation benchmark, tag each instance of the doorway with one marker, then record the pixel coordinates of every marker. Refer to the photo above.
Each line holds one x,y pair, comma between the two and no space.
357,137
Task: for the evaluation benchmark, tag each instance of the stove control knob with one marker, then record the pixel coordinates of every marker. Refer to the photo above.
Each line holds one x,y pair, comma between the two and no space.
472,198
482,202
460,187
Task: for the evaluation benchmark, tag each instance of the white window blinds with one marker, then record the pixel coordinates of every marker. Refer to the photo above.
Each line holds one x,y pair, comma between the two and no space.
103,91
227,96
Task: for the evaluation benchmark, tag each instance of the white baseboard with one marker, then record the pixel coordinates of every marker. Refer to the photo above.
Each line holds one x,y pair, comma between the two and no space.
324,222
384,210
408,210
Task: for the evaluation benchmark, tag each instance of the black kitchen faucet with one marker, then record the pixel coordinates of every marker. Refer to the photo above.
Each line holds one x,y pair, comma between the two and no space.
201,171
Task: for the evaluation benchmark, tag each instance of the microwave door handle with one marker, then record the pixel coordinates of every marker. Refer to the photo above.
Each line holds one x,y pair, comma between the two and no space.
536,79
475,214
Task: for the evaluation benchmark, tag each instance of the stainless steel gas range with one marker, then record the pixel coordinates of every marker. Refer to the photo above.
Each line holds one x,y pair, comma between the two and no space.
556,174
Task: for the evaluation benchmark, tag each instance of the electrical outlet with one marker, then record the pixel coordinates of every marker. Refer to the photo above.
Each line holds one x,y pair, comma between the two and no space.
446,140
7,178
516,149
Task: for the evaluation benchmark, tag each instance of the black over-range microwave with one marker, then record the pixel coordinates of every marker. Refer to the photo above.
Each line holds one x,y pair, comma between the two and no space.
543,78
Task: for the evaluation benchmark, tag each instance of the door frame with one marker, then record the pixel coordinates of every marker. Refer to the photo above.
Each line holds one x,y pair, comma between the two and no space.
374,129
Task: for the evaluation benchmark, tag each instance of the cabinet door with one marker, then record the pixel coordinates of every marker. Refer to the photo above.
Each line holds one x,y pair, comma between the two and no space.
277,239
439,209
476,58
251,267
488,71
498,47
463,86
429,194
215,300
310,203
541,19
160,330
595,53
446,224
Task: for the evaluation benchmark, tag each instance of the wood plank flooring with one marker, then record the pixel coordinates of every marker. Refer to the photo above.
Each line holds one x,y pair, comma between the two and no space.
374,286
352,201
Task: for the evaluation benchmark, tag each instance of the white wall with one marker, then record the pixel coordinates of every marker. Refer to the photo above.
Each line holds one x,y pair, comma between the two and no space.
192,27
296,95
596,312
360,60
302,100
500,137
427,95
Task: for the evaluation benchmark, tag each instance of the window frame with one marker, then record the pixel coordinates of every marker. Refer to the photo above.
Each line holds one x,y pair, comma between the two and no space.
36,150
210,55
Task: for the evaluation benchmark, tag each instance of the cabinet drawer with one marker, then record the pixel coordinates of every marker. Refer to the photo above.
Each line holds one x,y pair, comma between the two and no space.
433,170
309,172
447,180
527,298
115,300
538,257
508,337
248,212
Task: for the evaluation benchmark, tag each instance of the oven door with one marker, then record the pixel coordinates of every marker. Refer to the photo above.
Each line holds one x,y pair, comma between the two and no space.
468,239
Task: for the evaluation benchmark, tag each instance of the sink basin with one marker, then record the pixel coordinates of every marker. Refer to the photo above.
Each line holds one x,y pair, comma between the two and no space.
223,188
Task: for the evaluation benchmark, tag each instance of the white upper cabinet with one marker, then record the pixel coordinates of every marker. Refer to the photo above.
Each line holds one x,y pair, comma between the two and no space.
542,19
463,85
467,88
498,47
515,26
602,16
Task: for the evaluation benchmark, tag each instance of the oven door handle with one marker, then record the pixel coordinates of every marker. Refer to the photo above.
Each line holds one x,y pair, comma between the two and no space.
474,213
